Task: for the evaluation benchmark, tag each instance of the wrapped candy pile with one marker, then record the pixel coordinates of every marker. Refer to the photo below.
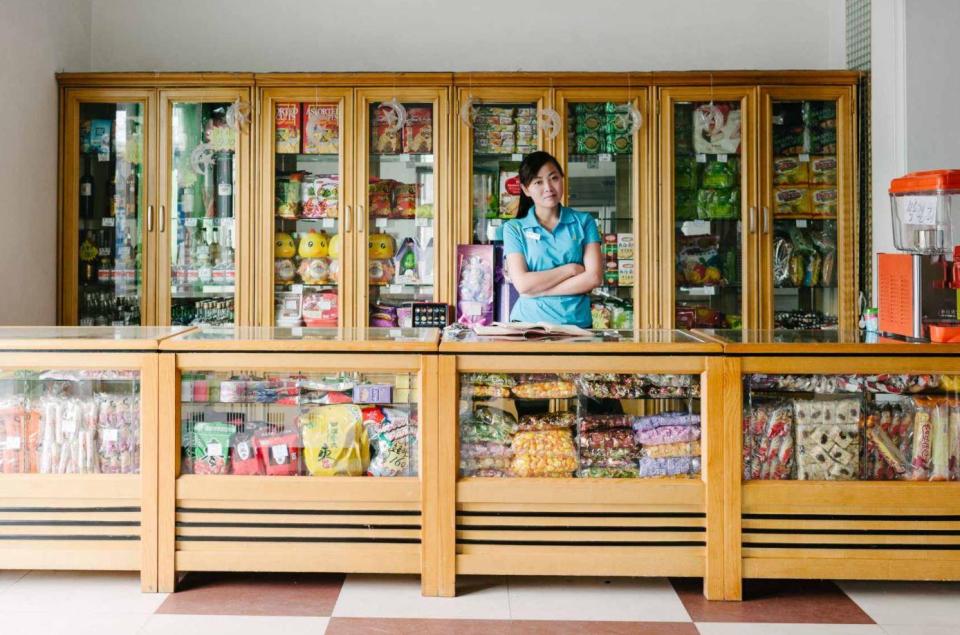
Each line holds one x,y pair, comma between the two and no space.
608,447
670,444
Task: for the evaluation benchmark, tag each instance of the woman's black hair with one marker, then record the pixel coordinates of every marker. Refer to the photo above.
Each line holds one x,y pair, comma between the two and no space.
529,169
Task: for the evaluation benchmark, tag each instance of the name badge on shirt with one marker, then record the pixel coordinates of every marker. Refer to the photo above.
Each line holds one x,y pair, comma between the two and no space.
530,234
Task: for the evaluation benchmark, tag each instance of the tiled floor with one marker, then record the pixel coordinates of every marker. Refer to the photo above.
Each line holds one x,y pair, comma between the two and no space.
240,604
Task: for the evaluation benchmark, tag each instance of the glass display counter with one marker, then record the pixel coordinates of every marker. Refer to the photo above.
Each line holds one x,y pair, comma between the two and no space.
296,450
846,457
588,456
78,460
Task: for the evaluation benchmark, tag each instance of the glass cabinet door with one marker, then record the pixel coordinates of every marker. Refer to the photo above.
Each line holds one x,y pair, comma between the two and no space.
709,166
306,140
202,201
602,174
803,211
397,226
106,205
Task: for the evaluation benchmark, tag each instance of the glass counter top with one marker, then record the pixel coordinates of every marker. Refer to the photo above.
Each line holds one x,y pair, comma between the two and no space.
265,338
85,337
820,341
599,341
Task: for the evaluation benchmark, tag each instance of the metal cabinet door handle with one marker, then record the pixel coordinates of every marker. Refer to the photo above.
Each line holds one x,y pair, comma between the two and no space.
752,225
163,218
359,218
346,218
766,220
149,218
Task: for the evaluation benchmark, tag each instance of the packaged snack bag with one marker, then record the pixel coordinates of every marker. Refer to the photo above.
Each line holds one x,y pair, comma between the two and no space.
544,453
488,425
509,190
790,171
823,141
279,452
405,200
717,204
823,170
321,129
823,201
287,128
686,174
719,174
393,442
244,458
828,439
334,441
418,130
547,421
791,200
211,447
380,197
685,205
590,122
716,134
384,140
822,115
589,142
320,196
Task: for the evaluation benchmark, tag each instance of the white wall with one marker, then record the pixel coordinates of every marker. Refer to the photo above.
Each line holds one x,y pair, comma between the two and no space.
916,98
443,35
37,38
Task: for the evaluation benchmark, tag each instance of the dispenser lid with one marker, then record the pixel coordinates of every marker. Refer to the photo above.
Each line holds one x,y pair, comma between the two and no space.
926,181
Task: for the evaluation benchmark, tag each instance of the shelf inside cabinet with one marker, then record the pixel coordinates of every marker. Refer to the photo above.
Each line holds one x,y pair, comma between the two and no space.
402,158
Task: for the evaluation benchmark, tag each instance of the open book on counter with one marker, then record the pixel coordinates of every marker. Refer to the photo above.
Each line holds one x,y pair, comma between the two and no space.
529,330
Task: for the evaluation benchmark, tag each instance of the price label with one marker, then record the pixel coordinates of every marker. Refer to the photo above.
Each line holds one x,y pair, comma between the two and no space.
109,222
214,449
103,157
701,158
516,156
496,222
279,453
801,223
395,288
296,331
396,333
325,305
13,443
110,435
700,290
695,228
381,222
329,222
606,158
920,210
296,288
189,222
423,222
721,158
404,157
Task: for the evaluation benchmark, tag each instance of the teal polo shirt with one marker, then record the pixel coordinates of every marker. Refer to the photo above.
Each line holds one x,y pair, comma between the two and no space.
543,249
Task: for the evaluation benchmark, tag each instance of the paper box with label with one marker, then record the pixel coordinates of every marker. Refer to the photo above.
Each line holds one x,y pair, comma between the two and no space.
625,272
625,246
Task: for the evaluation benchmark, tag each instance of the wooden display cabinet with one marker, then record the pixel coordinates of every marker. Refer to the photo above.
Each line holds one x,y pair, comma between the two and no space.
835,529
582,526
66,499
228,522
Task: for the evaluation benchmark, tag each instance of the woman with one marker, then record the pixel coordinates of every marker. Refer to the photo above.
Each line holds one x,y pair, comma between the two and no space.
552,252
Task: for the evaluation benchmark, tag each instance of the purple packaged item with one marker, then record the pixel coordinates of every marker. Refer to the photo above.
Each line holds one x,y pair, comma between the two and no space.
371,393
671,466
668,434
666,419
475,284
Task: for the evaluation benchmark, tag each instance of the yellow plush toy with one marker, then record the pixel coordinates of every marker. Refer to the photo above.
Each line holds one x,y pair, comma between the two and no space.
381,246
283,246
334,247
313,245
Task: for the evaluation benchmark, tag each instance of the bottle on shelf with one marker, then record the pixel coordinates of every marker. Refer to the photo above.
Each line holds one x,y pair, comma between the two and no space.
224,176
124,274
86,189
130,191
105,251
88,258
203,261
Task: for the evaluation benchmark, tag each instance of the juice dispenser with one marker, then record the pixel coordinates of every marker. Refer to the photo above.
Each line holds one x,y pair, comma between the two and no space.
918,288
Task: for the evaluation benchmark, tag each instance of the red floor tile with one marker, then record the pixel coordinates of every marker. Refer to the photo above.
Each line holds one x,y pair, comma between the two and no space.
774,601
371,626
291,594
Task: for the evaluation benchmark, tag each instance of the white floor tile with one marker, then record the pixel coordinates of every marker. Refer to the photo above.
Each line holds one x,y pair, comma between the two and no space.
730,628
8,577
908,603
84,592
399,596
901,629
55,622
234,625
614,599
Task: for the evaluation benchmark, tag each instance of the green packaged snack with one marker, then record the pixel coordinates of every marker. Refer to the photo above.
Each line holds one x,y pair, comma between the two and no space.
822,114
618,120
823,141
618,143
718,174
789,142
685,205
718,204
590,123
488,424
686,172
589,143
589,109
211,447
621,317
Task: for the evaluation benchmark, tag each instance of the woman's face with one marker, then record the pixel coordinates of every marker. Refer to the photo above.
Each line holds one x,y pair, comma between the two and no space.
546,188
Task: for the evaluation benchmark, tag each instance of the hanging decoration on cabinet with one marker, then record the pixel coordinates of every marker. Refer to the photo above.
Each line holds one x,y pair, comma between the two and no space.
630,119
238,115
395,116
468,111
709,117
201,158
550,122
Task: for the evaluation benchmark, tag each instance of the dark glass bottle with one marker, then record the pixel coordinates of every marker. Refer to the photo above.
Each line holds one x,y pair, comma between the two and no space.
86,189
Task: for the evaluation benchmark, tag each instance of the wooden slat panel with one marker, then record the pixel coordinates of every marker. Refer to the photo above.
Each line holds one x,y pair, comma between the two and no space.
850,554
188,505
40,490
534,508
583,536
293,532
851,497
81,555
233,556
279,491
68,530
868,539
637,561
791,523
911,566
318,518
465,522
6,517
602,493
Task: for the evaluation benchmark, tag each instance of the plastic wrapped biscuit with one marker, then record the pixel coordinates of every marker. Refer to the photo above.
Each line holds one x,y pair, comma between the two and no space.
547,421
549,453
828,439
547,388
768,443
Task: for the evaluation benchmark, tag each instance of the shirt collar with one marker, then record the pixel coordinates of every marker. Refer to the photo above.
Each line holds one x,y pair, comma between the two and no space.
530,220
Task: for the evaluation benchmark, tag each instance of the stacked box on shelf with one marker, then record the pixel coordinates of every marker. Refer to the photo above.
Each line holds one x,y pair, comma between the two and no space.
805,163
